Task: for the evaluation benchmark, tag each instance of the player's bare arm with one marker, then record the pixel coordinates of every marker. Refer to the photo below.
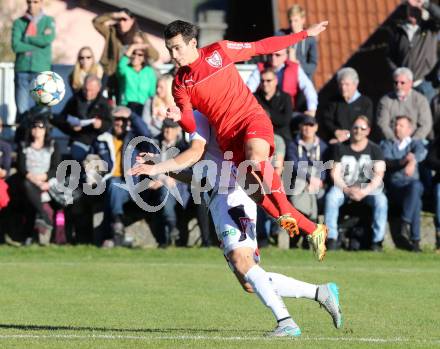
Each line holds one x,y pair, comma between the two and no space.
184,160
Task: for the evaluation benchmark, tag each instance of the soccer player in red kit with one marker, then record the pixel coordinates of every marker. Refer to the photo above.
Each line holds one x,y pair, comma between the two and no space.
208,81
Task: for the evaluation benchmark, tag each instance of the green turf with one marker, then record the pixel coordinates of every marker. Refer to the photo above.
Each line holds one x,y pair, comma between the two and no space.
83,297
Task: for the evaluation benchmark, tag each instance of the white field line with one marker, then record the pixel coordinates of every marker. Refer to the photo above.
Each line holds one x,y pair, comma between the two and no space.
202,266
214,338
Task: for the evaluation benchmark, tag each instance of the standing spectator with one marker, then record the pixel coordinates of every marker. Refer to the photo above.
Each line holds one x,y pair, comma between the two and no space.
402,156
118,29
357,174
155,109
433,161
291,80
136,79
86,115
37,160
338,116
435,110
307,148
276,103
32,36
404,101
413,43
110,146
85,65
305,52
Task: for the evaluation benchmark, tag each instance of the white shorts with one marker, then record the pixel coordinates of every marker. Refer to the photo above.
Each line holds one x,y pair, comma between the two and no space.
235,217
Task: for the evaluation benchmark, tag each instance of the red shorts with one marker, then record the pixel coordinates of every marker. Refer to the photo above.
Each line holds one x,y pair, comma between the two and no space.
259,126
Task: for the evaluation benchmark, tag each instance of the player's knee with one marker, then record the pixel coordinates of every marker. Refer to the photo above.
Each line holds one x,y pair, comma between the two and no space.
242,261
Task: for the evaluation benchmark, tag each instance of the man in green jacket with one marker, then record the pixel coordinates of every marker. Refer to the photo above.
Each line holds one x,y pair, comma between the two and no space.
32,36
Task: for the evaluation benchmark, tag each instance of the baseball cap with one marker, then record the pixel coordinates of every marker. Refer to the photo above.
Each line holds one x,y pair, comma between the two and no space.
308,120
167,122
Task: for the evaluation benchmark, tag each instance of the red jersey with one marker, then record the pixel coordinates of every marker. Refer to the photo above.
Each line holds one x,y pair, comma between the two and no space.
213,85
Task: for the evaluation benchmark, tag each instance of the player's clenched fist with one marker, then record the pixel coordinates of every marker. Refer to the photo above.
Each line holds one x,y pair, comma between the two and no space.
174,113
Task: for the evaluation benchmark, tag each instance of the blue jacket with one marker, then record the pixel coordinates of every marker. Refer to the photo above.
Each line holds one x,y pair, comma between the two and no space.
394,172
104,147
296,153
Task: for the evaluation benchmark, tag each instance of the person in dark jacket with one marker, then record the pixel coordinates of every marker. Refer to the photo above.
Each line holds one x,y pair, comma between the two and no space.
32,37
276,103
338,115
433,161
86,115
37,160
413,43
5,155
111,147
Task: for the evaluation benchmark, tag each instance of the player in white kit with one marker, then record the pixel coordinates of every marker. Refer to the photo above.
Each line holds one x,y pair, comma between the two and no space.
234,215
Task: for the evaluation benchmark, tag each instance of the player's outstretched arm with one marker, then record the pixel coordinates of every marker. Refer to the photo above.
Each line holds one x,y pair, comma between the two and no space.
183,160
276,43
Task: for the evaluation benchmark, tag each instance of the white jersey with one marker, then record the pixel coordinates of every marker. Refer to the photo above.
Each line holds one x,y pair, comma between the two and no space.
234,214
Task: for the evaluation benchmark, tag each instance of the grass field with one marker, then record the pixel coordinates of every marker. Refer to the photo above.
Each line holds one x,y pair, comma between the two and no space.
83,297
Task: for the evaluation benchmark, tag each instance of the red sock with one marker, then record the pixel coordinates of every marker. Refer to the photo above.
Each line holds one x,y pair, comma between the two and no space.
278,197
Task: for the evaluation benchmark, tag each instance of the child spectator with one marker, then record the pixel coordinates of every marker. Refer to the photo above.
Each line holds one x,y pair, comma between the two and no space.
154,111
305,52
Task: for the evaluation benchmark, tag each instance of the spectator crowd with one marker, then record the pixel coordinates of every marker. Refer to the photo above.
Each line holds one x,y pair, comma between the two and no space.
385,158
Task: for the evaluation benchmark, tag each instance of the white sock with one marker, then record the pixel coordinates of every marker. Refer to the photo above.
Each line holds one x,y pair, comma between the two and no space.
289,287
262,286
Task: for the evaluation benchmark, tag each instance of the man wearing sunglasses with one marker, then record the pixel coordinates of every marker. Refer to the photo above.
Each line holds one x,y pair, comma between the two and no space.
357,174
32,36
404,100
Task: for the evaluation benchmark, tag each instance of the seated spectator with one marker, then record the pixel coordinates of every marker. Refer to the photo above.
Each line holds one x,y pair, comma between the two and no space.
110,146
276,103
402,156
307,148
433,161
404,101
338,116
136,79
291,80
5,156
306,51
357,175
85,116
413,42
119,30
154,111
5,166
435,110
85,65
37,160
166,221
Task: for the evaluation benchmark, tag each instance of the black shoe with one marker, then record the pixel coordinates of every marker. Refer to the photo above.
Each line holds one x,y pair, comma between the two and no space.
405,231
376,247
415,246
332,245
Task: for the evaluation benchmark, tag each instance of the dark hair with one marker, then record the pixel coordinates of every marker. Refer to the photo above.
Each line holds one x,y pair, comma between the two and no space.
398,117
187,30
268,70
35,121
127,12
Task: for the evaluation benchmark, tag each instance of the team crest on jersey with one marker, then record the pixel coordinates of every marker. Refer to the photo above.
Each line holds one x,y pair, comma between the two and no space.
215,60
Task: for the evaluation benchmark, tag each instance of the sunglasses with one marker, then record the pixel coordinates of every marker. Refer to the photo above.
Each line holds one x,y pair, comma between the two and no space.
38,126
397,82
363,128
84,57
